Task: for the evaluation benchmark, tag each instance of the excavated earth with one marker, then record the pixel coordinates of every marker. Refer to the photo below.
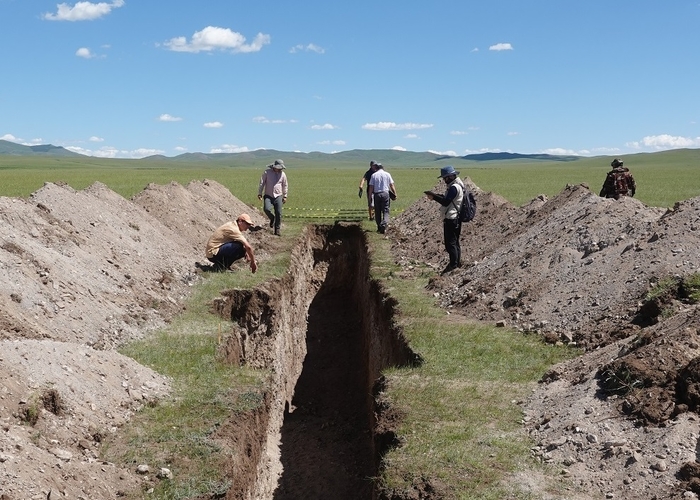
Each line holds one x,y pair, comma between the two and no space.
82,272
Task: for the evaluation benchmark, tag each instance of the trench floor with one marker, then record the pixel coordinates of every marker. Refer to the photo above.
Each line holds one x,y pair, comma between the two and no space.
326,446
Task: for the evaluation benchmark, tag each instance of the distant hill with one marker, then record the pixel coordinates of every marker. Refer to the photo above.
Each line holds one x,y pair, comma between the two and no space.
518,156
14,149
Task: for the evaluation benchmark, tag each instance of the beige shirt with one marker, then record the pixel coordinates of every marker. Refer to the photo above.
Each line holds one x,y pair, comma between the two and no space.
224,234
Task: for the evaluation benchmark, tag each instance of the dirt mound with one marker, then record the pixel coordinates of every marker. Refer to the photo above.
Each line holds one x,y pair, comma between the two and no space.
579,269
82,272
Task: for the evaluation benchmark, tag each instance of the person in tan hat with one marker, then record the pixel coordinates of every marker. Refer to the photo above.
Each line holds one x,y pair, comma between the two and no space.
273,190
227,244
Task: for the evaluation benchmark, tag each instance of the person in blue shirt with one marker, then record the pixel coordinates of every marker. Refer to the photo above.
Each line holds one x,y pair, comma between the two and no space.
365,178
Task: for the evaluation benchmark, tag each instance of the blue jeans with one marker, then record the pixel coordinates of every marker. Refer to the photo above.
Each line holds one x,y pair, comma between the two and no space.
273,209
228,254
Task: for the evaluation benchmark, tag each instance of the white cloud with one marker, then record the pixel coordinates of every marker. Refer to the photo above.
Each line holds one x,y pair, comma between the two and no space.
213,38
475,49
307,48
262,119
165,117
84,52
96,139
325,126
443,153
9,137
560,152
458,132
213,125
410,136
334,143
229,148
396,126
501,46
112,152
180,149
83,11
513,133
399,148
665,141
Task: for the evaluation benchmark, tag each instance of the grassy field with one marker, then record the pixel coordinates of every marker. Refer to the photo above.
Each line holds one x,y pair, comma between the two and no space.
326,182
461,424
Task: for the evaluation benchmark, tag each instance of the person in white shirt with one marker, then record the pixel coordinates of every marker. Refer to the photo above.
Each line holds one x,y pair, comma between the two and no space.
382,189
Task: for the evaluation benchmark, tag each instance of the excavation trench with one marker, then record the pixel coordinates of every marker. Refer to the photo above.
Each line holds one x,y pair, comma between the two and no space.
325,331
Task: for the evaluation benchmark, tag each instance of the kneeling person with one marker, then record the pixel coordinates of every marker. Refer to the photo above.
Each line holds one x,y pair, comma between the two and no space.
228,244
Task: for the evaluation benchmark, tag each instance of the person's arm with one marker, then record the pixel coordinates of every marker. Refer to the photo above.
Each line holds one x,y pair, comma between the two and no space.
249,256
261,186
362,183
285,187
447,198
392,188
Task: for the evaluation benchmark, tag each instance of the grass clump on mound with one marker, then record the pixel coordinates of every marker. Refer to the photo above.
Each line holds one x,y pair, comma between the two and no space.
461,429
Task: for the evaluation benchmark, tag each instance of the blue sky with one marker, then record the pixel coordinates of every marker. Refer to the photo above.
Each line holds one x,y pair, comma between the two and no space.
128,78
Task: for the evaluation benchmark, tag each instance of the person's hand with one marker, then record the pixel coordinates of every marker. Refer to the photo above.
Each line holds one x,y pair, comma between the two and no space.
360,193
284,200
259,197
253,266
430,196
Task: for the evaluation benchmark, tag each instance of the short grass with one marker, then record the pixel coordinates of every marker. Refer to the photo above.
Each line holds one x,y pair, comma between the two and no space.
462,418
662,178
176,433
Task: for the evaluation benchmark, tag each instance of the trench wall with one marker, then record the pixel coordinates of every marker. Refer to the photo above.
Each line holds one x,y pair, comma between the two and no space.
270,324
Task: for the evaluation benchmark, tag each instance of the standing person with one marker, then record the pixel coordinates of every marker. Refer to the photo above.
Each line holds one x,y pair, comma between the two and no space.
451,202
365,178
273,185
382,189
618,182
227,244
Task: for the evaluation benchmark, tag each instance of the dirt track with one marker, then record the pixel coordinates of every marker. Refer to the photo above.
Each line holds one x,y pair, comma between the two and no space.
83,271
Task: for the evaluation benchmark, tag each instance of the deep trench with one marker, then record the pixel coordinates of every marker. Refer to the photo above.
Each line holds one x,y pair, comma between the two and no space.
330,433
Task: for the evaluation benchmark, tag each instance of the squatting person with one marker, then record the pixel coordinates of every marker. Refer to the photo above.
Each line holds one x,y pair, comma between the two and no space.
227,244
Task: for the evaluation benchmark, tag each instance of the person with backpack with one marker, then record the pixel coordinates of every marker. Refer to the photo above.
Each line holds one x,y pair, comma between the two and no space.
451,203
618,182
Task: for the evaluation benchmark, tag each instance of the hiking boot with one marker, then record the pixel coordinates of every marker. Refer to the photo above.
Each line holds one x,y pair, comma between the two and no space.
448,269
272,222
277,232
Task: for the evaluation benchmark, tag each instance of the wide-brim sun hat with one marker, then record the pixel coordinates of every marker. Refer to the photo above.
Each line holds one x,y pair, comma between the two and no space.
448,170
278,164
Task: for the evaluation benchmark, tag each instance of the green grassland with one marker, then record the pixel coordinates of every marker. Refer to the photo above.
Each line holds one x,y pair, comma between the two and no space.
330,181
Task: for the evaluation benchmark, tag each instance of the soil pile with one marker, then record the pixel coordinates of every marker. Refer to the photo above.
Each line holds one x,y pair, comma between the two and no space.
81,272
622,419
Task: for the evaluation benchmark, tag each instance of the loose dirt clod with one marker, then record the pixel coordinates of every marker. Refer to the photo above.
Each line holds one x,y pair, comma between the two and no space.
600,274
81,272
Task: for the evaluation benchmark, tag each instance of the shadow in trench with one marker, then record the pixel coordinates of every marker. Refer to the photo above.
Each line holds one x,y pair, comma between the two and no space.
327,449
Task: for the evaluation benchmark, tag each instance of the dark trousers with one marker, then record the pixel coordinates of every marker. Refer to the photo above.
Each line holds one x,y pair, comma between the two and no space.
273,210
452,229
228,254
381,210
